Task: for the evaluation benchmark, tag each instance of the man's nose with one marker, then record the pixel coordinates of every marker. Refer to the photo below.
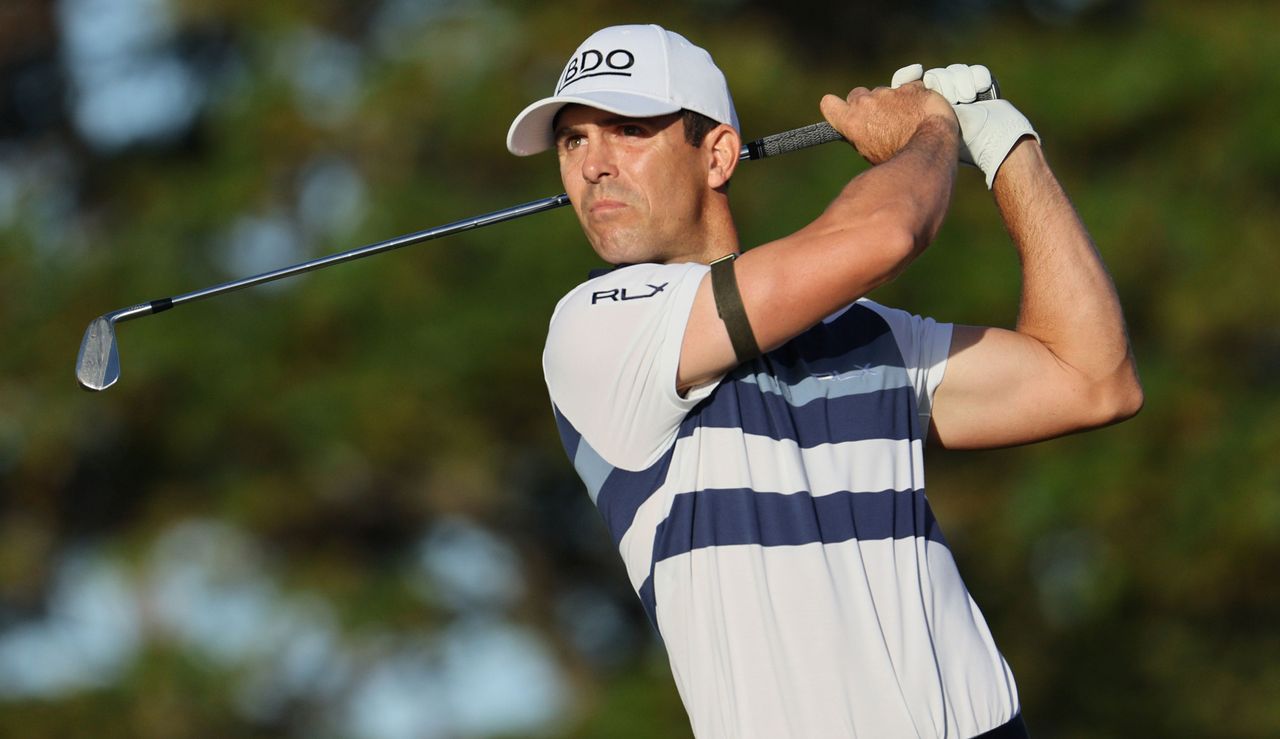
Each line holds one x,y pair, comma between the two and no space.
600,161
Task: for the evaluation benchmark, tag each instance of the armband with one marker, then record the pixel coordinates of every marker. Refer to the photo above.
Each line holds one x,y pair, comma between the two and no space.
724,286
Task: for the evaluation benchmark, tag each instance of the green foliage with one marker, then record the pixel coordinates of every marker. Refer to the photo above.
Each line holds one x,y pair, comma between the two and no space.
1129,574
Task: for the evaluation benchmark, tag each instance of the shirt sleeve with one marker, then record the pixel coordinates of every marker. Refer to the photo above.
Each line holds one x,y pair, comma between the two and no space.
924,344
612,353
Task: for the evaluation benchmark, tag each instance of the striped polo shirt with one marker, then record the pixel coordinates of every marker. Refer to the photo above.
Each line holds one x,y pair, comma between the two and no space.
774,523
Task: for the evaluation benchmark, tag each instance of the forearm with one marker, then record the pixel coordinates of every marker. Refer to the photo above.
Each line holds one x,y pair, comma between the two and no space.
1067,366
1069,302
911,190
892,211
872,230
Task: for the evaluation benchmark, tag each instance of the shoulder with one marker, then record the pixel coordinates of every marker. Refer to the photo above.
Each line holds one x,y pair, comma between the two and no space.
624,300
611,358
628,285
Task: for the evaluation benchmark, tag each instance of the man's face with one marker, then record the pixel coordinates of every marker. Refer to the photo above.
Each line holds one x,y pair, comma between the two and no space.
637,185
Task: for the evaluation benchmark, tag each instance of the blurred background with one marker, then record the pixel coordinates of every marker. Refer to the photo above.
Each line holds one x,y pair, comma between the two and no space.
337,506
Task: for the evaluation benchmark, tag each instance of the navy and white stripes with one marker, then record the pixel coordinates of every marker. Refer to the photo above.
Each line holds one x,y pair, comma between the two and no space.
803,397
775,526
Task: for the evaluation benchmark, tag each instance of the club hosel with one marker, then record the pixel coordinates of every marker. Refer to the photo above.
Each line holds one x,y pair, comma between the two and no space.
141,309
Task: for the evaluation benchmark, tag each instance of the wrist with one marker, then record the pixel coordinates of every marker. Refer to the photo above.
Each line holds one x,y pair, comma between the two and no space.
991,130
1024,160
944,119
940,130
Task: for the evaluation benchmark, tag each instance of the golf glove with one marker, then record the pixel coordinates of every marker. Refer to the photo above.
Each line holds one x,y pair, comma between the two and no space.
988,128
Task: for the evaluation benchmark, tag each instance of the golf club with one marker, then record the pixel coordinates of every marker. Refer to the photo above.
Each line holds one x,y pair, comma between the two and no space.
98,362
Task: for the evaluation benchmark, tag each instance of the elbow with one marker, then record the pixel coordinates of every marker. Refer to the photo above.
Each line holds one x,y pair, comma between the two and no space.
1127,403
899,225
1129,394
893,244
862,252
1136,399
1118,399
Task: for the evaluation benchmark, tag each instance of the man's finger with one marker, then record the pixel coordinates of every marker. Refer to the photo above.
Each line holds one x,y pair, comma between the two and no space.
940,82
856,93
982,80
832,106
909,73
962,79
961,84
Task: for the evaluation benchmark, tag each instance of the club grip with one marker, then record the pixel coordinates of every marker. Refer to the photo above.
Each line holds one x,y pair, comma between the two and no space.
817,133
789,141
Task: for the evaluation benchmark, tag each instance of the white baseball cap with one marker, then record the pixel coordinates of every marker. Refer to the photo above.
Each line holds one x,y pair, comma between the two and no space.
640,71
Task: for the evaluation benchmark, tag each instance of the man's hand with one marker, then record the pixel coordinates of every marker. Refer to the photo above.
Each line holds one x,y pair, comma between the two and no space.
989,128
880,122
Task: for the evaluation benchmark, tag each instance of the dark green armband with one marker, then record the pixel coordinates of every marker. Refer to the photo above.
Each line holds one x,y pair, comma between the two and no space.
724,286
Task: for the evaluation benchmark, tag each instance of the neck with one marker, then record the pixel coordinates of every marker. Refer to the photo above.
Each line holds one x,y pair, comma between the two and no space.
716,237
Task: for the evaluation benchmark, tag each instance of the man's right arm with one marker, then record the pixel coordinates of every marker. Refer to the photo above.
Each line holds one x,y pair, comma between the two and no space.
883,219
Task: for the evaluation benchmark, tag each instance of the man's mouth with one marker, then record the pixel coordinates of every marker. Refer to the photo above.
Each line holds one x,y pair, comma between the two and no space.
604,206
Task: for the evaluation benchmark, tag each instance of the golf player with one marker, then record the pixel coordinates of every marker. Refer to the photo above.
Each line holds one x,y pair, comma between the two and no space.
752,428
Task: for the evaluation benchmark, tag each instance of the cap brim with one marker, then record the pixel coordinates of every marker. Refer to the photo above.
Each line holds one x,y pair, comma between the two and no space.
531,133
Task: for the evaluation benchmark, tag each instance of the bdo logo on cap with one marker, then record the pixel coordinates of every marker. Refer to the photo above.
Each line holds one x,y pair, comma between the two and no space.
596,63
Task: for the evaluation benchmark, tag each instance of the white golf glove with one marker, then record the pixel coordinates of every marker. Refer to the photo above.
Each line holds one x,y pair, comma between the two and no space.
988,128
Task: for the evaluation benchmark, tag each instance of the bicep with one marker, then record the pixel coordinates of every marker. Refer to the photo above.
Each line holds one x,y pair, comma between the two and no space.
706,351
1003,388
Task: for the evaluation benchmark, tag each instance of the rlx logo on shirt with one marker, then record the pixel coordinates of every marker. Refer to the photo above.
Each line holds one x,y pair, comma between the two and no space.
859,370
617,294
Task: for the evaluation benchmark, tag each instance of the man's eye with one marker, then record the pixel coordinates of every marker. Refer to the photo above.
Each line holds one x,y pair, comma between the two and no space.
572,142
632,130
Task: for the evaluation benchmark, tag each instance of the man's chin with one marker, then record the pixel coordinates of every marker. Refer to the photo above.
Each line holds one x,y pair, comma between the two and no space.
615,248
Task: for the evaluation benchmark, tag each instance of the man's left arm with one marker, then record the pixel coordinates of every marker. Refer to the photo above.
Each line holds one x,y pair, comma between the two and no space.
1067,366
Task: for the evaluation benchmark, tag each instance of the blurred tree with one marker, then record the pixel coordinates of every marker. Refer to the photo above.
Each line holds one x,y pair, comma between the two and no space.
329,507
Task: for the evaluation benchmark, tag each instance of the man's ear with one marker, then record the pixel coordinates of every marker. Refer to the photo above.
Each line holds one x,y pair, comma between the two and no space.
723,144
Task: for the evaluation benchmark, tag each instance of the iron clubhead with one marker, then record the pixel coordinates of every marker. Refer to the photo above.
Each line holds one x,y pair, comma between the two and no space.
98,364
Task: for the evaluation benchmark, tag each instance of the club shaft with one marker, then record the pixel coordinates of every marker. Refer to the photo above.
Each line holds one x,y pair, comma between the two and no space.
780,143
506,214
